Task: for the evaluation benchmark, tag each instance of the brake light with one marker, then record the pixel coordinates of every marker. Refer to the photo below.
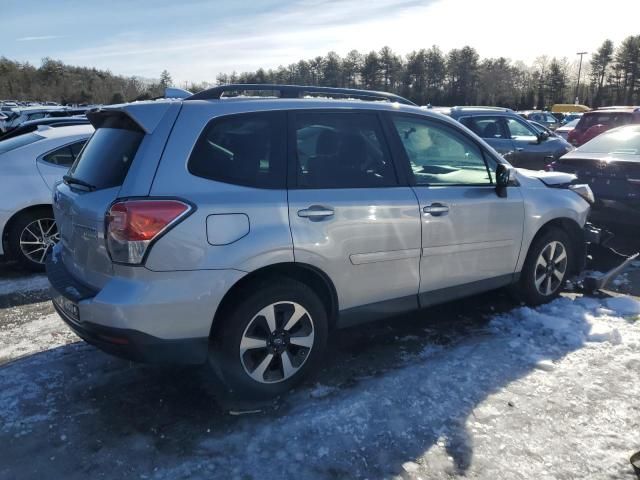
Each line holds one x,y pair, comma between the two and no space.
549,166
132,225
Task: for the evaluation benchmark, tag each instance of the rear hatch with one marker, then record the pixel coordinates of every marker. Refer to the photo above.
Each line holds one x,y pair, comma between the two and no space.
92,184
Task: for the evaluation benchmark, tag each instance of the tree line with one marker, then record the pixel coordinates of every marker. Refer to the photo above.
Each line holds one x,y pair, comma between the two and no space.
611,75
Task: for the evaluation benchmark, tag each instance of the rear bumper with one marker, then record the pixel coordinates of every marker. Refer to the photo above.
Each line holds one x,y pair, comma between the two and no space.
138,346
146,316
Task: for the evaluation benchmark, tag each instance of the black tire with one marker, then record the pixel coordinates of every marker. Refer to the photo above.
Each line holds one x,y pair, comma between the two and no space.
225,351
527,289
15,232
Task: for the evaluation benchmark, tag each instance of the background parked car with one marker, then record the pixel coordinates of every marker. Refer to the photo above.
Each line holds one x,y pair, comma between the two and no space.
512,136
53,122
31,165
610,164
545,118
593,123
564,130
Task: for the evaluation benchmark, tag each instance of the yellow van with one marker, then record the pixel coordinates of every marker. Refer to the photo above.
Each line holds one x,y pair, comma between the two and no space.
568,108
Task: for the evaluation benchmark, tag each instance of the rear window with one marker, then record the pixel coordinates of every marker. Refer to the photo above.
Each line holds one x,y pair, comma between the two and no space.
625,141
107,156
611,119
245,149
17,142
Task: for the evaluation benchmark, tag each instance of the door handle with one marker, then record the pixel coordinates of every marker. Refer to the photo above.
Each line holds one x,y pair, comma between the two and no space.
436,209
519,149
315,212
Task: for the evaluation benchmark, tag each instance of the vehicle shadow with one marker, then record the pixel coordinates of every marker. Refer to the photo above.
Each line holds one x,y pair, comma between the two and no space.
391,392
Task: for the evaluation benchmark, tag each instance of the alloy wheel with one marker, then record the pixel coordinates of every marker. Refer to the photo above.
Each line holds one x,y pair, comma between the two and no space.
277,342
550,268
38,238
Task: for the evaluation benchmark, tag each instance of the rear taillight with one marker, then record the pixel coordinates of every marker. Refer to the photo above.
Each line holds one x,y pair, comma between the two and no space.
133,225
549,166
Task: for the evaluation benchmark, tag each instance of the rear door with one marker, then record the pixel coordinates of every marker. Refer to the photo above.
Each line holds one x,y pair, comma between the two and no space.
470,237
350,215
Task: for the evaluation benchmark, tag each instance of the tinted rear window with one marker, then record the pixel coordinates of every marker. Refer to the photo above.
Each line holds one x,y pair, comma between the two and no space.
611,119
245,149
106,158
17,142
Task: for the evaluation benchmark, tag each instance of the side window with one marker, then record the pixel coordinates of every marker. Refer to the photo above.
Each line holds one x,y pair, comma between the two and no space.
245,149
486,127
341,150
439,155
64,156
518,129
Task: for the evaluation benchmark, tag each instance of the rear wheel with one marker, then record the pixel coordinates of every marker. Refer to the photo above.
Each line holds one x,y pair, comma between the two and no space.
546,267
270,340
31,237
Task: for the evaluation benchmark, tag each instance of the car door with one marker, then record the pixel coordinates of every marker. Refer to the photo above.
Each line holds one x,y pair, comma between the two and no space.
53,165
471,237
530,152
492,129
349,214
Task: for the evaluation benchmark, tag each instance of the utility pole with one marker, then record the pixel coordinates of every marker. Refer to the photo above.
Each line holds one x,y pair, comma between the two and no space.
579,71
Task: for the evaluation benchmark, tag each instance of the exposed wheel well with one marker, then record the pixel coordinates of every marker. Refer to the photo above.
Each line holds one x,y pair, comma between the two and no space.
14,217
576,234
314,278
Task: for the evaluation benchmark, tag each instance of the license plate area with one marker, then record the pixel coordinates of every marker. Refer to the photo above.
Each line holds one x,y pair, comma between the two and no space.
69,307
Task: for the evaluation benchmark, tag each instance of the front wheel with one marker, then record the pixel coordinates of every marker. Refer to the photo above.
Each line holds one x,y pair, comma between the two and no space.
270,340
546,267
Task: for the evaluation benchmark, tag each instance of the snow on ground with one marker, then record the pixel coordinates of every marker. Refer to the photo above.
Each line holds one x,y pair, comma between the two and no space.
544,393
19,338
23,284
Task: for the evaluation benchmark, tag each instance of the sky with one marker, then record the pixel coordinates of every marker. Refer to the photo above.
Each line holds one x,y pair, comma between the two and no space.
196,39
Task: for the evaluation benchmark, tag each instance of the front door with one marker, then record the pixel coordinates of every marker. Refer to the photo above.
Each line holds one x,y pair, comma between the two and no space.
349,215
470,237
530,152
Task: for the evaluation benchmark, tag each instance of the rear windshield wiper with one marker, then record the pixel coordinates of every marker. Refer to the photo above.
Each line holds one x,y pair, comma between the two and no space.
69,180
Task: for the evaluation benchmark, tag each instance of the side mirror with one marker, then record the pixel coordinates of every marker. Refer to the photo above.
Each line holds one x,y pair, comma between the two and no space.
503,177
542,136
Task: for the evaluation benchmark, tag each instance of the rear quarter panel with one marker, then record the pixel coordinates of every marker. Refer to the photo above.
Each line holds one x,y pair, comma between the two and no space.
186,246
21,185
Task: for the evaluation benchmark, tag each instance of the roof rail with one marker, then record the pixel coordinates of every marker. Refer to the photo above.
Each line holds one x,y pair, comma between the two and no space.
299,91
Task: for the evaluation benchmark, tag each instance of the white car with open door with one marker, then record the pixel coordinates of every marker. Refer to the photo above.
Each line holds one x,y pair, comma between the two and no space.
31,165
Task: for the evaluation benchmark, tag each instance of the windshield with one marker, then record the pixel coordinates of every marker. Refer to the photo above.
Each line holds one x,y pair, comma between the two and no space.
625,141
17,142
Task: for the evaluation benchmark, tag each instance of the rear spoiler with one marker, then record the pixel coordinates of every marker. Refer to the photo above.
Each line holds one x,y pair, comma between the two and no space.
172,92
145,115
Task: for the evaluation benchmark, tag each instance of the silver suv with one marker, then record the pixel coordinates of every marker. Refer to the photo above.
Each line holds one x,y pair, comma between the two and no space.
241,231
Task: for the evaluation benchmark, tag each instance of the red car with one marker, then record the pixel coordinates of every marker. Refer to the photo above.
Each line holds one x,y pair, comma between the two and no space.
595,122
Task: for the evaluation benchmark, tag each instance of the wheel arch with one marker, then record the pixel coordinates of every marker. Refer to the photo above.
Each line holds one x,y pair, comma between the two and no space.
575,233
311,276
7,226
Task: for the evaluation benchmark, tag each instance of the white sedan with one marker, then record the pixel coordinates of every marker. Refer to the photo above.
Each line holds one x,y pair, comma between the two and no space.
31,164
